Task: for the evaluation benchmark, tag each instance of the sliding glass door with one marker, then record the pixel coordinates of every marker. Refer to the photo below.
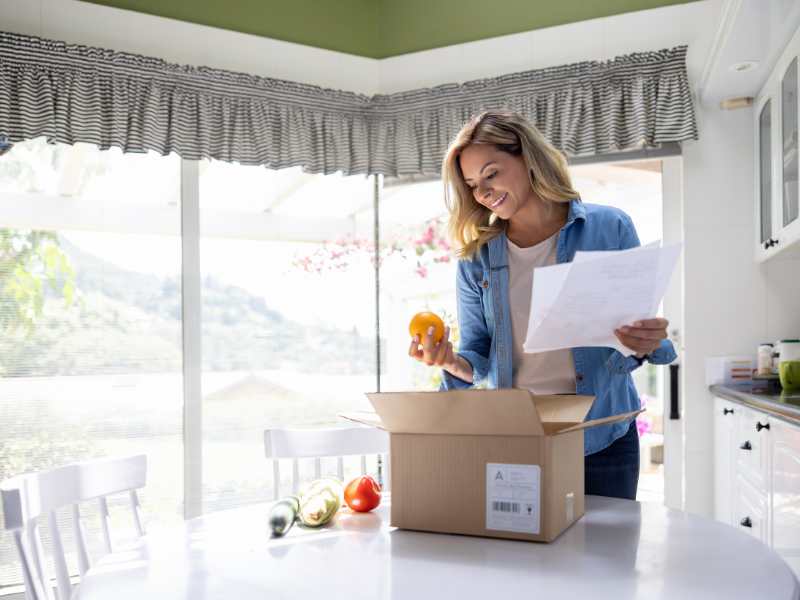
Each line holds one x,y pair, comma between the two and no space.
90,313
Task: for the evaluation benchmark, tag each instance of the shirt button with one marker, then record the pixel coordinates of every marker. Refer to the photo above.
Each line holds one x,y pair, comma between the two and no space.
579,377
484,284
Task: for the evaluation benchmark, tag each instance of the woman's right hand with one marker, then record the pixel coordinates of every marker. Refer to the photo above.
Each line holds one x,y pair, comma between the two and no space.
440,354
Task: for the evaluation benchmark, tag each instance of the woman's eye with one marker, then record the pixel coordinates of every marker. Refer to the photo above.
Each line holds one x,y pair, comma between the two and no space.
491,175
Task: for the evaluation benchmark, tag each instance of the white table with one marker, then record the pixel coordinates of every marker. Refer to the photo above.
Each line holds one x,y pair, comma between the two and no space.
619,549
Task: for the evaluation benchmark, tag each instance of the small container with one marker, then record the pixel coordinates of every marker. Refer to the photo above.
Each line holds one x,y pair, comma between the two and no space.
764,366
789,368
789,350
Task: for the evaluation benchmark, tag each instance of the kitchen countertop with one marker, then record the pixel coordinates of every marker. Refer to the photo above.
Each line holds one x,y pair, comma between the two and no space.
782,404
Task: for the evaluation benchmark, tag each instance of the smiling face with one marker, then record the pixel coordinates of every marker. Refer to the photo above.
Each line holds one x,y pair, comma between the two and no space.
498,180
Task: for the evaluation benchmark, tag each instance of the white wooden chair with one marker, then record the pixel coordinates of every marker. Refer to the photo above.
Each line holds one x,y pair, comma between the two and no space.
27,498
317,444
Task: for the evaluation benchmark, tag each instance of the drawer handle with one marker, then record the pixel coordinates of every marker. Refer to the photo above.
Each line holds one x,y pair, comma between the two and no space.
727,411
746,522
746,446
759,426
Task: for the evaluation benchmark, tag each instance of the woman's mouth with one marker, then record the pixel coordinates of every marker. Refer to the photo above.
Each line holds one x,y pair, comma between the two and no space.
499,201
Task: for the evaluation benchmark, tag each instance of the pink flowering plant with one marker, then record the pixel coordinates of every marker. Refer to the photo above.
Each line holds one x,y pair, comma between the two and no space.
420,251
644,424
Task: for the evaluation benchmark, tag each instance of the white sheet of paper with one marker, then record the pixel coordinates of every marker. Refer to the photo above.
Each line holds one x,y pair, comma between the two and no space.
582,302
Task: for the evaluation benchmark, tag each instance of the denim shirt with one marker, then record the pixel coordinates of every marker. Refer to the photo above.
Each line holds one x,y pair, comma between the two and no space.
485,324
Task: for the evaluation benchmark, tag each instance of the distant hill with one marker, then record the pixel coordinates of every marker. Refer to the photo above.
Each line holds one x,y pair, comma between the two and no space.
129,322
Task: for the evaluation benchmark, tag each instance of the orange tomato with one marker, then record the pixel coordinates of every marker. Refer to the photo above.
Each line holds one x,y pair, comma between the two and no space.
420,323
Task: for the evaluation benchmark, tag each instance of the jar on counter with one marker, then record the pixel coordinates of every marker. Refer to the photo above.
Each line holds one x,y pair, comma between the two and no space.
764,363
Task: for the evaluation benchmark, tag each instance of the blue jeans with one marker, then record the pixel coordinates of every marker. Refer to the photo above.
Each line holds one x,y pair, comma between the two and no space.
614,471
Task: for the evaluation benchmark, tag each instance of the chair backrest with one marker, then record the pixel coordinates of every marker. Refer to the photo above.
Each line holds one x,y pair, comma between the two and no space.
27,498
317,444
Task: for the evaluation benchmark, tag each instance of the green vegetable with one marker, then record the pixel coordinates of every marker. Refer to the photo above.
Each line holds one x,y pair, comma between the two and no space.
283,514
319,501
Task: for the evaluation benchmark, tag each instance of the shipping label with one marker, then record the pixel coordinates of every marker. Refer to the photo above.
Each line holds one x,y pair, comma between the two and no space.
513,497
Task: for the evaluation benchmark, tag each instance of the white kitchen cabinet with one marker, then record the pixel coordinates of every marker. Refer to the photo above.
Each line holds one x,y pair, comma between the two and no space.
752,443
750,509
724,429
757,476
786,491
777,160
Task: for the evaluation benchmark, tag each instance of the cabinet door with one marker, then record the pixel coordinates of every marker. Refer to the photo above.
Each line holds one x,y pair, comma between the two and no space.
724,453
764,177
750,509
752,447
788,192
786,491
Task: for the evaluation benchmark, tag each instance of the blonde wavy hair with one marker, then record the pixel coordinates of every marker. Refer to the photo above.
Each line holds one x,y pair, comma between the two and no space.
471,224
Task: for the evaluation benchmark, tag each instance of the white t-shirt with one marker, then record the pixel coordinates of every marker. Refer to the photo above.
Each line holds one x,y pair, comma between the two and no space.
542,372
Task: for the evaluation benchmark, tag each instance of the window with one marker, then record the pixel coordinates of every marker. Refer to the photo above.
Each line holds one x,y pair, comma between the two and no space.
288,314
90,352
418,273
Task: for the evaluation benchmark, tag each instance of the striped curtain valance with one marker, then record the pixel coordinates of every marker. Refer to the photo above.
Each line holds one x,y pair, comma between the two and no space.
72,93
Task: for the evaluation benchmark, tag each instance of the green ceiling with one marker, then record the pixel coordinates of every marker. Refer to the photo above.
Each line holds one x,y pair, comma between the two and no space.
383,28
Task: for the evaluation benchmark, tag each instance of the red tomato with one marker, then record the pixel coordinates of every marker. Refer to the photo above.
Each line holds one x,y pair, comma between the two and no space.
362,494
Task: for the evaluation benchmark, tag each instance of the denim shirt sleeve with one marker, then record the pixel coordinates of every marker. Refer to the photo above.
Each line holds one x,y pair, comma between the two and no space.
475,340
665,353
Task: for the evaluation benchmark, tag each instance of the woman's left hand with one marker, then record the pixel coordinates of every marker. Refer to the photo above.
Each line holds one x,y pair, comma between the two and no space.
643,336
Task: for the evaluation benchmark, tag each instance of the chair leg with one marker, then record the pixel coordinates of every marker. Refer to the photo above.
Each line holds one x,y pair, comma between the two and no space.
33,589
62,574
80,540
136,507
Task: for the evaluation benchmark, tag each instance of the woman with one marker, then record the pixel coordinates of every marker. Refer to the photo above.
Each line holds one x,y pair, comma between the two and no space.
512,209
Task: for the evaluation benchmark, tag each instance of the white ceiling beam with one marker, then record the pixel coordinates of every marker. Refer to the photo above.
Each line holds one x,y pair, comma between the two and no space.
54,213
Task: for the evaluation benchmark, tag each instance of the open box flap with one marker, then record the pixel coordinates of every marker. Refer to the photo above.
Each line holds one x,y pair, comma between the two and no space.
603,421
471,412
364,417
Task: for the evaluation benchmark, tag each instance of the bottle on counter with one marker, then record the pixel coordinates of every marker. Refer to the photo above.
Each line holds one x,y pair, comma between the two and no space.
764,363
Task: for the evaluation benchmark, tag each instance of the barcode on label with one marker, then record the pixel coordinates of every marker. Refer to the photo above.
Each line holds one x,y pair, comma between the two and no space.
509,507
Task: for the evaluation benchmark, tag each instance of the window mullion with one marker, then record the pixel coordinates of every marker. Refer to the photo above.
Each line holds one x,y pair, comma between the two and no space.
192,340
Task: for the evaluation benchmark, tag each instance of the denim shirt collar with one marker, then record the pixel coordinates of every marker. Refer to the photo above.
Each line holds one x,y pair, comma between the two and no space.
498,247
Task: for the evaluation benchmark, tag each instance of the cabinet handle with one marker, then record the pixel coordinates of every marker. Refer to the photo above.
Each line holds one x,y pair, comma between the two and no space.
727,411
746,522
759,426
746,446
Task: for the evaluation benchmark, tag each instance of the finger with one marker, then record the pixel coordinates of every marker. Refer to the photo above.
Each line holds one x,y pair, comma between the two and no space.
635,344
656,323
450,358
441,354
427,341
429,347
413,349
644,334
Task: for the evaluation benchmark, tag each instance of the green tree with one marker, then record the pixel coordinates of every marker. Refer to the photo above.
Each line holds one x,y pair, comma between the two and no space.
31,263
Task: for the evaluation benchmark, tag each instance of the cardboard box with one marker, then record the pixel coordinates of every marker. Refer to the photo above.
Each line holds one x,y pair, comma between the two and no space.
494,463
